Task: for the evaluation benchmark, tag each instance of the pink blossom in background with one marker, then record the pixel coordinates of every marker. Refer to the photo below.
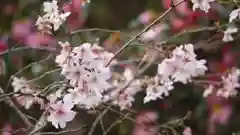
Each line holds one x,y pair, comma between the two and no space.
177,23
3,46
229,57
190,17
38,40
146,17
24,33
182,9
152,33
220,111
187,131
21,29
7,129
145,119
76,18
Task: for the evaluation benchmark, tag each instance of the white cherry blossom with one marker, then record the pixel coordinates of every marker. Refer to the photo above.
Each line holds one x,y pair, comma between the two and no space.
182,66
230,84
208,91
121,95
60,114
25,97
50,6
64,56
228,87
235,14
228,33
85,69
157,91
52,19
204,5
52,98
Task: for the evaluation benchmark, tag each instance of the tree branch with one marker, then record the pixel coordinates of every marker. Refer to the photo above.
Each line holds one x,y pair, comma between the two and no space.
144,30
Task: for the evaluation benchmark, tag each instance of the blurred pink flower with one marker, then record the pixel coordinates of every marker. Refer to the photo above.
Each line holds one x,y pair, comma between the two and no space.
7,129
229,57
145,119
152,33
220,111
146,17
38,40
187,131
76,19
24,33
21,29
182,8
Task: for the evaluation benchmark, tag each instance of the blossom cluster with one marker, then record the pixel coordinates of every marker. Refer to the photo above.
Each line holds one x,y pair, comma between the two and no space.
52,19
182,66
84,67
91,82
24,93
124,90
228,85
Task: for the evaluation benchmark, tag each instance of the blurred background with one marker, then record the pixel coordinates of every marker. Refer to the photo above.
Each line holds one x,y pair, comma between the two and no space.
212,115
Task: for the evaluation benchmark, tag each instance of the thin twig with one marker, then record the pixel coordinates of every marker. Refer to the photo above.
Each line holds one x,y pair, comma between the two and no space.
8,94
102,124
24,68
14,131
41,123
43,75
143,31
50,87
118,121
97,120
94,29
131,119
10,102
62,132
23,48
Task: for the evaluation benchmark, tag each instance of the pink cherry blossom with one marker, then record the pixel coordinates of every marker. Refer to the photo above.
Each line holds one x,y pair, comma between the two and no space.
60,114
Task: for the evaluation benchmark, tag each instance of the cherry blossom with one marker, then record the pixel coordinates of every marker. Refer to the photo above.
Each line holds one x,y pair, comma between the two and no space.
65,53
156,90
235,14
121,95
90,101
85,69
151,34
208,91
229,84
50,6
25,97
60,114
228,33
204,5
53,17
187,131
54,96
182,66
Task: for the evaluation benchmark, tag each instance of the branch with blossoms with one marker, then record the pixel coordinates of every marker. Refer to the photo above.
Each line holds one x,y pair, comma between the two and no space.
89,79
